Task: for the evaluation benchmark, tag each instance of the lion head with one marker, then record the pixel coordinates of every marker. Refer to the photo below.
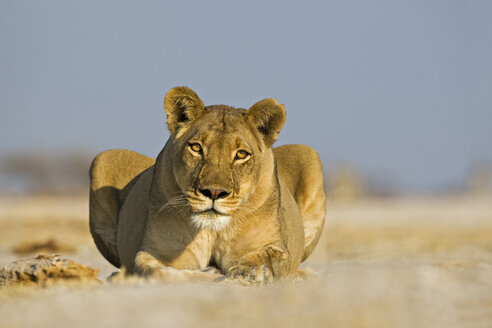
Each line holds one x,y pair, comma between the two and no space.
221,154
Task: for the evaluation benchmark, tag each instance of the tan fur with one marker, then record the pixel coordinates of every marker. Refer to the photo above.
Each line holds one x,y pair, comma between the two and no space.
253,218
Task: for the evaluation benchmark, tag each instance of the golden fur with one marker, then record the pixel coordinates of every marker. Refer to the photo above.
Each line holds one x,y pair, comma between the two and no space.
217,196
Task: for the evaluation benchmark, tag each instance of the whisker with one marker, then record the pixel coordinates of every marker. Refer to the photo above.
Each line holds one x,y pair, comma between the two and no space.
178,202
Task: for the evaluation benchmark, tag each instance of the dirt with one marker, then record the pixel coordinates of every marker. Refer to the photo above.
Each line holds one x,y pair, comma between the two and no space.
403,262
50,245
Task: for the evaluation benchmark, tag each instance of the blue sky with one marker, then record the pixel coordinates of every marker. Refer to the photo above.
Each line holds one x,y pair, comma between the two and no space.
398,89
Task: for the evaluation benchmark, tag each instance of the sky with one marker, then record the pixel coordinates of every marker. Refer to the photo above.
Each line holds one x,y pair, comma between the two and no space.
400,90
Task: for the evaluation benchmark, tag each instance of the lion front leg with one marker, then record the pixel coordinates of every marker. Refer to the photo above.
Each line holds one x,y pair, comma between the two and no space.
148,266
261,267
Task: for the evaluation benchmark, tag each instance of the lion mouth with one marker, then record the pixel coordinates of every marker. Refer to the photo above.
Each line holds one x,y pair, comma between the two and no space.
211,210
211,213
210,219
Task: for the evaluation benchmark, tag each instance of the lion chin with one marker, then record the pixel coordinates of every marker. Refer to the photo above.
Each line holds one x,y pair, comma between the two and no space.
210,220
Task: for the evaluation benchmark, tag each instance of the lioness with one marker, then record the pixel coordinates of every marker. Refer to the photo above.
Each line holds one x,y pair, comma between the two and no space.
218,196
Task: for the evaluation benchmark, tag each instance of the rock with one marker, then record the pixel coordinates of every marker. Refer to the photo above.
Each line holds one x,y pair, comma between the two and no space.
43,269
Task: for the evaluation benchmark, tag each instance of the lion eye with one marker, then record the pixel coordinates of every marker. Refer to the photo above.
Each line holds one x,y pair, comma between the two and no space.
241,154
196,147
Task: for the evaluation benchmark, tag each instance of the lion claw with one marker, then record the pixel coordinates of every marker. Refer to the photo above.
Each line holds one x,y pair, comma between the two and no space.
259,275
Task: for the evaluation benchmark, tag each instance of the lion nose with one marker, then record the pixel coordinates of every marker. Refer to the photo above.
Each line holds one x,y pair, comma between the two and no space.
214,193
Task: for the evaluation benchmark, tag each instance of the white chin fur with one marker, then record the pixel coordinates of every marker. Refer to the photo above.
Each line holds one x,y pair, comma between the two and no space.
203,221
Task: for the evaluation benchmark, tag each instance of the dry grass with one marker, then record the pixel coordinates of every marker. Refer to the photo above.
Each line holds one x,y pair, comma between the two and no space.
381,263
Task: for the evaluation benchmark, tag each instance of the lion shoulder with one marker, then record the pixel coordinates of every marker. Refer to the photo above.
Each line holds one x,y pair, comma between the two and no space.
298,164
112,174
117,167
300,168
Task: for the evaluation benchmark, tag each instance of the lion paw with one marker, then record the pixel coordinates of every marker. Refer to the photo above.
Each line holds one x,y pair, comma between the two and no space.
250,274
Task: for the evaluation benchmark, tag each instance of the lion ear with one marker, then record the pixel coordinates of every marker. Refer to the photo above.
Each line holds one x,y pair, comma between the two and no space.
182,106
268,116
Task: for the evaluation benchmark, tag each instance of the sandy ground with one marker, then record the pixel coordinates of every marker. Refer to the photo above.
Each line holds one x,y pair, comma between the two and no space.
406,262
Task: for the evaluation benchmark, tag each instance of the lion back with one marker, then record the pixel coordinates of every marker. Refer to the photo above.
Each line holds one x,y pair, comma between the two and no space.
112,174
